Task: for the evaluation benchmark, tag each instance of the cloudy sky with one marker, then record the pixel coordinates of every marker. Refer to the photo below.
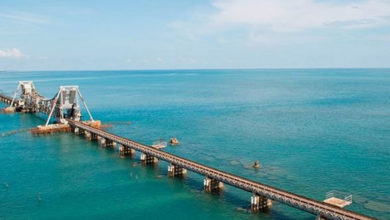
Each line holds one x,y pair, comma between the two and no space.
155,34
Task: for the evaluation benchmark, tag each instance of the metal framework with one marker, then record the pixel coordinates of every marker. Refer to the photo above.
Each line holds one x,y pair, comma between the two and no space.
64,105
29,97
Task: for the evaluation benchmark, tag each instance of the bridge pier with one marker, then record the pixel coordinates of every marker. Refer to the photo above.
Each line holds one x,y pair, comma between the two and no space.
102,141
260,203
110,143
87,135
94,137
78,131
319,217
212,185
148,159
81,131
175,170
126,151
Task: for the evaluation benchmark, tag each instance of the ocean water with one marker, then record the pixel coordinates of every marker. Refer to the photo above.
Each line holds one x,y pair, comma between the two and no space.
313,130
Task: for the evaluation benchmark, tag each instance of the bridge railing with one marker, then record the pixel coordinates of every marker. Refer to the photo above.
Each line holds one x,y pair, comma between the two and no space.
337,194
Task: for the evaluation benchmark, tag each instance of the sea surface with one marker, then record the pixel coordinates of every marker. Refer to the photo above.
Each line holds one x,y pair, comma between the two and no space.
313,130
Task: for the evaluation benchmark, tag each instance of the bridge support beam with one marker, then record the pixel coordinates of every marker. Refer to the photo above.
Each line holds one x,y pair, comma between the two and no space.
94,137
212,185
175,170
126,151
260,203
87,135
78,131
110,143
148,159
319,217
102,141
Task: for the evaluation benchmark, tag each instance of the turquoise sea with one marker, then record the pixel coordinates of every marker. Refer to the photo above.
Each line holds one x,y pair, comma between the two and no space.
313,130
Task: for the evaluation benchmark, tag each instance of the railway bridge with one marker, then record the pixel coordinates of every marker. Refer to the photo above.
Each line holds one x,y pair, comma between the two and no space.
7,99
214,177
65,109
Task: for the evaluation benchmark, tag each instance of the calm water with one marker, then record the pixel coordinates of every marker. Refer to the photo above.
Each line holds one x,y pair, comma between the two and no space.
312,130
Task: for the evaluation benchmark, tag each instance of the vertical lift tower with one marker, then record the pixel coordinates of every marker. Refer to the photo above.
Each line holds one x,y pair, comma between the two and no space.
65,105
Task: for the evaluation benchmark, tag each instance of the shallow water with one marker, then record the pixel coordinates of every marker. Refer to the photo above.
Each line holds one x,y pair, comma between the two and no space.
312,131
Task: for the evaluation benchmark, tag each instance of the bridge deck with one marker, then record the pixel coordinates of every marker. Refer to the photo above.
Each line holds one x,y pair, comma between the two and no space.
6,97
291,199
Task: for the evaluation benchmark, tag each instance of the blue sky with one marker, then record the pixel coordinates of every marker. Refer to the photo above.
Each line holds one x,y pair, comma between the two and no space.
151,34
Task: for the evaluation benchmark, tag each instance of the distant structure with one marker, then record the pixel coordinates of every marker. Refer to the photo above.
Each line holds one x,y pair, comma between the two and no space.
29,98
63,106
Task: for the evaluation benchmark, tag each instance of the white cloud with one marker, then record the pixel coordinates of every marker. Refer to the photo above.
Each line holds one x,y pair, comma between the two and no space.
24,17
11,53
296,15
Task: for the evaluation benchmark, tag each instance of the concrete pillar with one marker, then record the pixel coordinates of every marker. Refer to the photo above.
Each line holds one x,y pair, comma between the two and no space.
94,137
148,159
212,185
102,141
319,217
175,170
260,203
87,135
126,151
76,130
110,143
81,131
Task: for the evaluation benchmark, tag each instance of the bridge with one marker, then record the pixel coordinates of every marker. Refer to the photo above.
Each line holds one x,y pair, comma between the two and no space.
7,100
262,194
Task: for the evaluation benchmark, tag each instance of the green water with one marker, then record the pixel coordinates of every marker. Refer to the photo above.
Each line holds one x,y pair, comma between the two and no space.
312,130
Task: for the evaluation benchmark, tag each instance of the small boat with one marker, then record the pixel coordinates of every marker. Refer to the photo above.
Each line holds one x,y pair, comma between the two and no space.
159,144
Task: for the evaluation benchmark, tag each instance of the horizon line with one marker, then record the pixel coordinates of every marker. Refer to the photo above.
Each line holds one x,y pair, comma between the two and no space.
165,69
